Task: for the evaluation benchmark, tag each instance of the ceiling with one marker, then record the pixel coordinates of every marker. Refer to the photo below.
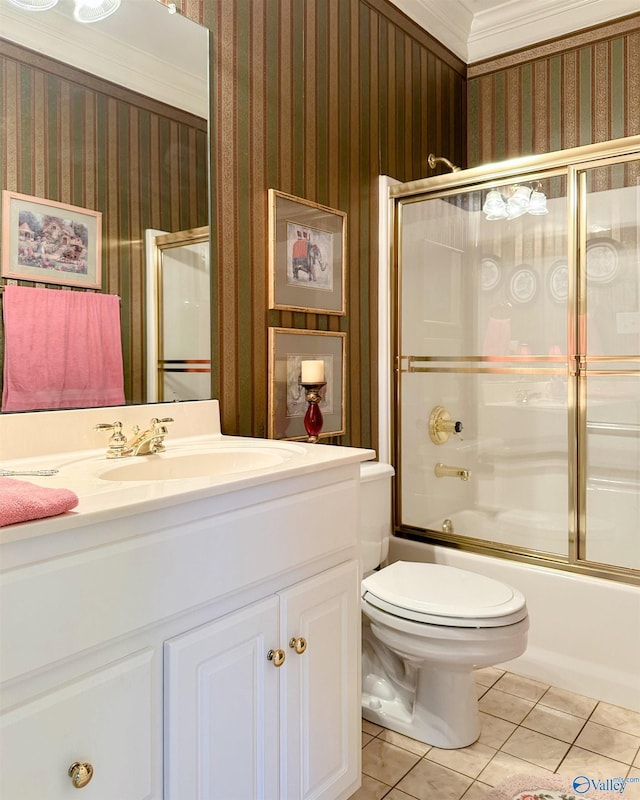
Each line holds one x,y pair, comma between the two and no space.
479,29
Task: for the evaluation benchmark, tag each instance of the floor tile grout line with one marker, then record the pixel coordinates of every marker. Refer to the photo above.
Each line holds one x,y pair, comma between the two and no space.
517,726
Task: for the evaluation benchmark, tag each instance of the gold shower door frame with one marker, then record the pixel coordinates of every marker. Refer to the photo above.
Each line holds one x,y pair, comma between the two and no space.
574,166
165,243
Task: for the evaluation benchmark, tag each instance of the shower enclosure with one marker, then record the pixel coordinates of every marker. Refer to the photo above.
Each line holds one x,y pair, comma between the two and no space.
517,381
178,315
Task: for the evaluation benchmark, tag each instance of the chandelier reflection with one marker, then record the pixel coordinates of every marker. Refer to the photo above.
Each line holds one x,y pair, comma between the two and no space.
517,201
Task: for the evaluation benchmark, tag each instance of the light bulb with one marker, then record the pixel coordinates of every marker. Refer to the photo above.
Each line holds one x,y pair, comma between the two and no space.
494,206
538,204
94,10
34,5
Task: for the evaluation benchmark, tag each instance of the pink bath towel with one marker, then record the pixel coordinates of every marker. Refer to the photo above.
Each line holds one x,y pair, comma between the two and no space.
62,349
21,501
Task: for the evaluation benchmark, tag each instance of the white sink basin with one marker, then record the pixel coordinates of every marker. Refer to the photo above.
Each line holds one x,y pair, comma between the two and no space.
180,466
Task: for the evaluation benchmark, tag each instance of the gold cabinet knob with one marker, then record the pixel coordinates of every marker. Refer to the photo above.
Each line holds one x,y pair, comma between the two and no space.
298,643
277,657
80,774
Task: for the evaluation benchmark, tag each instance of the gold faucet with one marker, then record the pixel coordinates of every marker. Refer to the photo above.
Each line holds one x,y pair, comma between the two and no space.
144,443
444,471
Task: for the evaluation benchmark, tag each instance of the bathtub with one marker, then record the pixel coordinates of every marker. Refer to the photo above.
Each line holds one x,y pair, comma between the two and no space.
534,530
584,632
546,531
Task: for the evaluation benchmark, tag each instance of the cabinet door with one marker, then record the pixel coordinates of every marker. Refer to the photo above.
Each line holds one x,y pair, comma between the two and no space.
321,699
221,708
103,719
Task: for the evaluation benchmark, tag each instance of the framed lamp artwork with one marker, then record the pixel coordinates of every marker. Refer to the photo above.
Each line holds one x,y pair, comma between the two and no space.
288,348
307,255
50,242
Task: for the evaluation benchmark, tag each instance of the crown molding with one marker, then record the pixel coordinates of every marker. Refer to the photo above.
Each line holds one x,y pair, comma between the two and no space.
448,21
515,24
510,25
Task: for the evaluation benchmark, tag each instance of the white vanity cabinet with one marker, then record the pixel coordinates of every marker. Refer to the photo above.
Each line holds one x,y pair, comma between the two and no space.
135,640
100,721
264,703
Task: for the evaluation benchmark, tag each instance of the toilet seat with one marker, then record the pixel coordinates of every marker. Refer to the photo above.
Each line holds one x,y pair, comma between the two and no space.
437,594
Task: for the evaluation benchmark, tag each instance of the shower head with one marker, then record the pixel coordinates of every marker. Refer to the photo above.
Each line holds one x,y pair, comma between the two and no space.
433,161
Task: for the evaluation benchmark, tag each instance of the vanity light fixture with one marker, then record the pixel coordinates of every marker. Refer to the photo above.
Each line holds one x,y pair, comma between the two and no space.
518,201
84,11
34,5
94,10
495,206
538,202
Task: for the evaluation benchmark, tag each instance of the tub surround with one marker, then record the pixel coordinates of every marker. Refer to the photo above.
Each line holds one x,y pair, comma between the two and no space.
164,608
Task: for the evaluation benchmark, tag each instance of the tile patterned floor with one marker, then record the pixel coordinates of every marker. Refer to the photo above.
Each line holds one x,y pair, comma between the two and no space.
527,727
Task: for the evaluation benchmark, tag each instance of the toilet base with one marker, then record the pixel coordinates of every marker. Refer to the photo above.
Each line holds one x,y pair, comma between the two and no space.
442,711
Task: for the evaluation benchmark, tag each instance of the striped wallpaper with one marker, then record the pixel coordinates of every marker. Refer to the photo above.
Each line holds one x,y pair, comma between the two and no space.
314,98
578,90
80,140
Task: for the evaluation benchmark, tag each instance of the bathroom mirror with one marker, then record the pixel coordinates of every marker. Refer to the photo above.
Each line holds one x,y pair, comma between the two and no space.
118,122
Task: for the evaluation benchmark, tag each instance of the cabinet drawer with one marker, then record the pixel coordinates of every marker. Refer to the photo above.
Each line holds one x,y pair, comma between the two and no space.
103,718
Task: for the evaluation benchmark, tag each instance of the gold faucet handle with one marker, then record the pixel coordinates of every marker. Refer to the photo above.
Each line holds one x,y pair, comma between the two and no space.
159,425
442,426
118,440
109,426
160,430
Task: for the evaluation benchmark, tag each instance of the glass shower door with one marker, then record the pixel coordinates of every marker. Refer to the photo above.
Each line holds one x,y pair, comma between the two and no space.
609,364
179,299
482,341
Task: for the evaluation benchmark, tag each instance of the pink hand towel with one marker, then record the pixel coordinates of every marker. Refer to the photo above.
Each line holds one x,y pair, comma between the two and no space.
62,349
21,501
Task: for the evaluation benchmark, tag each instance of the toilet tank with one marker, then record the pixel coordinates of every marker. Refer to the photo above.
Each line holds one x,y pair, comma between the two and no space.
375,513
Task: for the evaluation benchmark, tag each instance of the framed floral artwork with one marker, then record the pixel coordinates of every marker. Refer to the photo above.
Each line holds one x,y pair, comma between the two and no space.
49,242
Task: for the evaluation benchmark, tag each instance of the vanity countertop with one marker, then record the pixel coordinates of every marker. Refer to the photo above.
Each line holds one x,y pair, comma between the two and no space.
114,488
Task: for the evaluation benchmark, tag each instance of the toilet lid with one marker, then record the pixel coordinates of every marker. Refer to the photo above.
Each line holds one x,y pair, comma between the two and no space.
439,594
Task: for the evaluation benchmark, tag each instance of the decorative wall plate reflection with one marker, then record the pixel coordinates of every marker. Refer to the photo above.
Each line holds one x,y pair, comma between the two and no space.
524,285
602,260
490,271
559,281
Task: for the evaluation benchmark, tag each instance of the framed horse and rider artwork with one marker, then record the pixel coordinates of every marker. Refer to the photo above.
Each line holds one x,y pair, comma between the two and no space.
307,255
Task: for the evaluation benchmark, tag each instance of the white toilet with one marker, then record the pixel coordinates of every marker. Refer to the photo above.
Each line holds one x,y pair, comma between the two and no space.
425,628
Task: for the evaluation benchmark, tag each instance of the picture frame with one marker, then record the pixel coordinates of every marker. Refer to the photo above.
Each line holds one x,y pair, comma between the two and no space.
307,255
49,242
288,347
